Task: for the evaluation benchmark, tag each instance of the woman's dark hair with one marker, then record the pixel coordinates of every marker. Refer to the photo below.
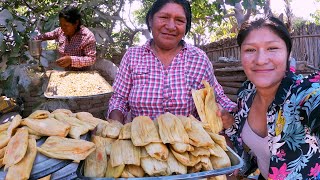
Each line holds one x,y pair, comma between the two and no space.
71,14
273,23
160,3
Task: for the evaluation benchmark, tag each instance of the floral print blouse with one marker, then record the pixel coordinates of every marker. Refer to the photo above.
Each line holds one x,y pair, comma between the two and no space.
293,122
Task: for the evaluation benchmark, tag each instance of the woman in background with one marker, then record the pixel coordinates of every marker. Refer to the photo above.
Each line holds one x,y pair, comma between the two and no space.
77,44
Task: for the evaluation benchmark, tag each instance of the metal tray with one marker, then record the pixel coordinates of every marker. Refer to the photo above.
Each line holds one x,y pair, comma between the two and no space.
48,91
236,163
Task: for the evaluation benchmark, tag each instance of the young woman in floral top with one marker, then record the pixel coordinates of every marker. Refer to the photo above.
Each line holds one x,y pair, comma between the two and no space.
276,128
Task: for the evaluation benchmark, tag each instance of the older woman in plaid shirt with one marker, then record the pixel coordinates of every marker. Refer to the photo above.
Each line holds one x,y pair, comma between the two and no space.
77,44
158,77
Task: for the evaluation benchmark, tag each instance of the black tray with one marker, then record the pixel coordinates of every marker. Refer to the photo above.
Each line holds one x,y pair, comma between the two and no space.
236,163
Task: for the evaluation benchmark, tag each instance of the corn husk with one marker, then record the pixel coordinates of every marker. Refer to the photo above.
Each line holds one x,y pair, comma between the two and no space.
95,165
114,172
136,171
88,118
65,111
181,147
200,151
78,127
125,132
171,129
174,166
14,124
23,168
108,144
40,114
112,129
124,152
48,127
219,139
211,109
183,158
4,139
220,161
158,151
4,127
143,131
154,167
16,148
66,148
197,134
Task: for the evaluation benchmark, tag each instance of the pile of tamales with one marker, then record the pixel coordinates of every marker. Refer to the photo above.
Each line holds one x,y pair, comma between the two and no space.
168,145
18,148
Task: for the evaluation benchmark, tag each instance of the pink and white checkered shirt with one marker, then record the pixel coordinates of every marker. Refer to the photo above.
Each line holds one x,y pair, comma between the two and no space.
144,87
81,47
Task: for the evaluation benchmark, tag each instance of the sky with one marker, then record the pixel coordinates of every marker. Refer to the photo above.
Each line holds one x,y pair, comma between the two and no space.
300,8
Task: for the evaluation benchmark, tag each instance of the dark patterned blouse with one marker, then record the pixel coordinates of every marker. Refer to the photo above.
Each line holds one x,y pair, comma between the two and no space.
293,122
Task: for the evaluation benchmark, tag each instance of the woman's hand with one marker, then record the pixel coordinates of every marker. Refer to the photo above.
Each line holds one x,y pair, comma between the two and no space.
226,117
64,61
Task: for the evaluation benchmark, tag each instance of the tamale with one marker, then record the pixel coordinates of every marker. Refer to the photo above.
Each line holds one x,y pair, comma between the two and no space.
144,152
200,151
39,114
66,148
31,131
95,165
158,151
4,139
2,151
144,131
14,124
197,134
22,169
124,152
194,169
126,173
88,118
108,144
4,127
219,139
183,158
220,161
112,129
198,98
194,159
16,148
48,127
65,111
181,147
171,129
206,163
211,109
125,132
174,166
114,172
154,167
1,162
77,128
137,171
99,129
